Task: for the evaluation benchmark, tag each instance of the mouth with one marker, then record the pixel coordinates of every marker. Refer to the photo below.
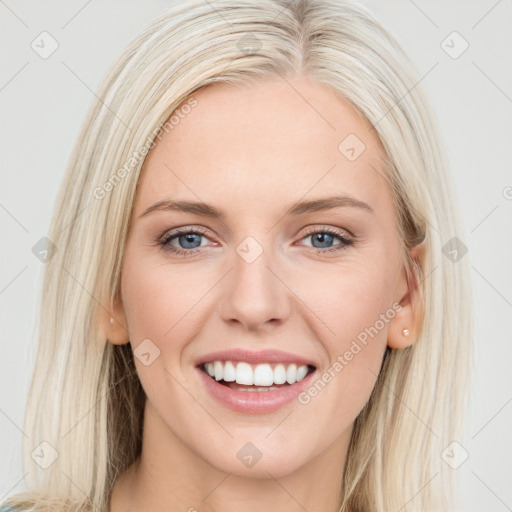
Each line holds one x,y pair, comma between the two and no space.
255,383
243,376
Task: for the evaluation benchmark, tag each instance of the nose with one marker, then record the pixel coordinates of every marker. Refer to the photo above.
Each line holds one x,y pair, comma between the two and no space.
254,294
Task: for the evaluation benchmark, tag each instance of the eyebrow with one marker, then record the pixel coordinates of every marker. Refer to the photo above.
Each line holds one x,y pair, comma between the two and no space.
206,210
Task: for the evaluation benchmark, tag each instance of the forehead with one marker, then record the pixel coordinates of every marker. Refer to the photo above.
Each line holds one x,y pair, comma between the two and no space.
269,143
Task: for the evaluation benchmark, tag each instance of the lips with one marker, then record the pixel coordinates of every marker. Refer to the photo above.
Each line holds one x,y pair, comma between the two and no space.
273,378
255,357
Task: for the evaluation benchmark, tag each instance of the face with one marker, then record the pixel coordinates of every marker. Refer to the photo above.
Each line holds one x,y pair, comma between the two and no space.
260,281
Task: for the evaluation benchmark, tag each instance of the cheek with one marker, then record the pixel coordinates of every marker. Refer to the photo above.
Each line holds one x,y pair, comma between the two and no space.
350,300
356,305
161,302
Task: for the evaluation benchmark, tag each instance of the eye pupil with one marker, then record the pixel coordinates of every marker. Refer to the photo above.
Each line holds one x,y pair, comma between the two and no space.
189,238
323,237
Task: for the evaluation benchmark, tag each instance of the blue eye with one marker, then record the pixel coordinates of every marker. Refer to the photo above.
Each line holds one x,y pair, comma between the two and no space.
190,240
326,236
189,237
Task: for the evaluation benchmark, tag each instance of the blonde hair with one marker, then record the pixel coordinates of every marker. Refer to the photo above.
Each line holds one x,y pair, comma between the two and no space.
85,398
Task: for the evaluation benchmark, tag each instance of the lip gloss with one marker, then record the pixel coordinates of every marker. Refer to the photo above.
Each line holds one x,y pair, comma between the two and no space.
254,402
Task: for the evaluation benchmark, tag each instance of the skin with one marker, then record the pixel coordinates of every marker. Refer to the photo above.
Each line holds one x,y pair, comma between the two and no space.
251,153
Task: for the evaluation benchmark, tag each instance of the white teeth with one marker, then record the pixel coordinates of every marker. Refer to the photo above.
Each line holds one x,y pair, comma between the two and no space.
229,372
301,372
263,375
253,388
244,374
258,375
279,374
291,374
218,369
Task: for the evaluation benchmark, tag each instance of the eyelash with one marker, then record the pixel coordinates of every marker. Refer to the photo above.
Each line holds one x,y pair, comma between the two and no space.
167,237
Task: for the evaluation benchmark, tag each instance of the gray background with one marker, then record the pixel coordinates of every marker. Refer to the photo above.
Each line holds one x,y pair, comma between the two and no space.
43,103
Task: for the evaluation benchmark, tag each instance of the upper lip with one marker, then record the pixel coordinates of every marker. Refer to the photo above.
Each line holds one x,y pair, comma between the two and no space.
254,357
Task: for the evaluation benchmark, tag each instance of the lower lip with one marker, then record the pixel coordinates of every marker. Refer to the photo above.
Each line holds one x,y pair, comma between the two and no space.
254,402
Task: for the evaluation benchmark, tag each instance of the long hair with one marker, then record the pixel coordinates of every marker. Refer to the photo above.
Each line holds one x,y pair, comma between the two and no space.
86,402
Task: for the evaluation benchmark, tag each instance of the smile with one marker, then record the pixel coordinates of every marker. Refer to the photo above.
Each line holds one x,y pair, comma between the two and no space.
262,375
255,382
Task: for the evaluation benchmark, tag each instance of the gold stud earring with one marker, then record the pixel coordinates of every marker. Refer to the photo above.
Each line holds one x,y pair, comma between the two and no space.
405,332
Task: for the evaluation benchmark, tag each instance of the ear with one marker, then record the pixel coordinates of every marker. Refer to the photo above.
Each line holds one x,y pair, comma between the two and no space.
410,315
116,331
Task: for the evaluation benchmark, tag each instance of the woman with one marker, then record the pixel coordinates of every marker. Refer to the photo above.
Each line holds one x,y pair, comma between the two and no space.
250,303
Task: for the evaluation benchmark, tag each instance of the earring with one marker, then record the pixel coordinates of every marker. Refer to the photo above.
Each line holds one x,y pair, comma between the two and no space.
405,332
111,320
